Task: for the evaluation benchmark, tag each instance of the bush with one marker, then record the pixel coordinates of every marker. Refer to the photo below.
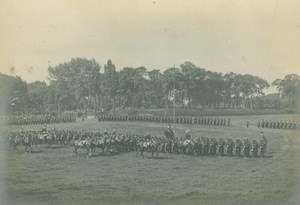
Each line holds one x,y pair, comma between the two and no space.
79,114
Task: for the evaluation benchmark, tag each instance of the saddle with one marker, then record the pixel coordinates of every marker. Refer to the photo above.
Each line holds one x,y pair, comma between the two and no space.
187,142
146,144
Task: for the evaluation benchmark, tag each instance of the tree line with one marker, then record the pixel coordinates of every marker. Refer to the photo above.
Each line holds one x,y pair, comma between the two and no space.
81,84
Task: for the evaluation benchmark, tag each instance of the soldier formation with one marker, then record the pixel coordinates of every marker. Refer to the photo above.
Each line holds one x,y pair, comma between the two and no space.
40,119
167,119
118,142
276,124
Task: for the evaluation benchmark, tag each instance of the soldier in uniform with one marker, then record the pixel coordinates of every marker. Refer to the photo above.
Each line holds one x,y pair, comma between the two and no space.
188,135
247,124
221,145
148,138
254,148
238,147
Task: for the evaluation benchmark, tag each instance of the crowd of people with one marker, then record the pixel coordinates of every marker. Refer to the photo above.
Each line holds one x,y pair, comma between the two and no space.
167,119
40,119
110,142
277,124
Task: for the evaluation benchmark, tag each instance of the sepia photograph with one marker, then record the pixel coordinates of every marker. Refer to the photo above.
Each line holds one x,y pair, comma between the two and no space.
149,102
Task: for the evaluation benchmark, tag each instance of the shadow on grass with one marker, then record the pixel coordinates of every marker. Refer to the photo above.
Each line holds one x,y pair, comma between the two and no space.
268,156
36,151
159,157
56,147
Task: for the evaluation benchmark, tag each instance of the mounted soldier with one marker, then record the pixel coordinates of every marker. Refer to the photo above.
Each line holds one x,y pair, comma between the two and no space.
188,144
169,135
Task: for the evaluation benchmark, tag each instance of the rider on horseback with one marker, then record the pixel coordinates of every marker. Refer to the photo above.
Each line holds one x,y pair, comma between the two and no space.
170,132
188,135
148,137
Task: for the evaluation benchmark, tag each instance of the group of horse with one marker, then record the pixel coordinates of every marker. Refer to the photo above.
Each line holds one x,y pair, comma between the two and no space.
112,143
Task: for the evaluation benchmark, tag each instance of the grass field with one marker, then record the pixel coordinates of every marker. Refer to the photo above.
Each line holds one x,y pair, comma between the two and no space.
56,176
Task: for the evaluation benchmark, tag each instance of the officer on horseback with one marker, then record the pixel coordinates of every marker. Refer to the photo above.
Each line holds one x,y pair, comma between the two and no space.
148,137
188,135
169,133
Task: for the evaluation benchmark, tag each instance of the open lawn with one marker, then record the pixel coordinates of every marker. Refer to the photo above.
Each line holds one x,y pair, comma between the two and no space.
56,176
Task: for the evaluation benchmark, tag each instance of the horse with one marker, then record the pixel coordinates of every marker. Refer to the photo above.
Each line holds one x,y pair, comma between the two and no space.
212,147
35,140
238,148
262,148
15,141
229,148
101,143
27,142
221,147
85,144
152,146
254,148
170,137
188,146
21,140
198,147
246,148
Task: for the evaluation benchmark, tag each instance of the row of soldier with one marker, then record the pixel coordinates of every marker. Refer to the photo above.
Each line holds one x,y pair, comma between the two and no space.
277,124
167,119
40,119
117,142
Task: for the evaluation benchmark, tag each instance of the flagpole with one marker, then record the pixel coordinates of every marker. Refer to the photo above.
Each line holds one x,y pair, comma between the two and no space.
174,96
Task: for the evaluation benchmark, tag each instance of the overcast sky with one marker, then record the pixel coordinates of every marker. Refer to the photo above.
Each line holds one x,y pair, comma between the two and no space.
244,36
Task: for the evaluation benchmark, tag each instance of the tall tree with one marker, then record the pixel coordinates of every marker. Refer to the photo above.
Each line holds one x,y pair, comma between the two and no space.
156,88
110,84
37,92
74,81
193,82
289,87
19,95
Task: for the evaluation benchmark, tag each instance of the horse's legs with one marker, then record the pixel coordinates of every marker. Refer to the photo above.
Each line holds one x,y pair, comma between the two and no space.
88,152
75,150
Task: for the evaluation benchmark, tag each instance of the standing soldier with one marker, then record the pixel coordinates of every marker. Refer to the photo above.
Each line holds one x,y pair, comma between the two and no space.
228,122
258,124
247,124
277,124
